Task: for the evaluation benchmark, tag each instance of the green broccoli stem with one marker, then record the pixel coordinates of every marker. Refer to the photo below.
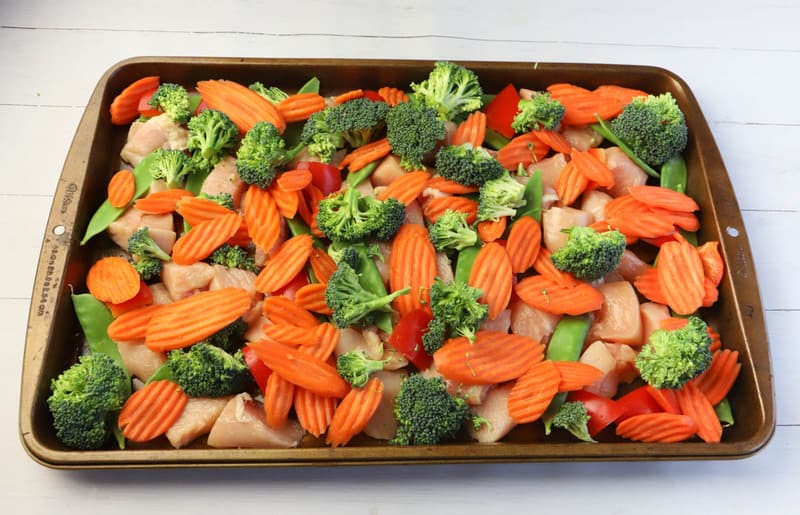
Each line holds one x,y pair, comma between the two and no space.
566,344
194,183
466,258
533,198
603,129
359,176
724,412
494,139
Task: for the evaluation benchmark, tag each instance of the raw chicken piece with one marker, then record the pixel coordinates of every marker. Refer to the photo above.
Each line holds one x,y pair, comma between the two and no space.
594,202
157,132
387,171
557,218
225,179
255,331
383,424
618,320
197,419
532,322
121,229
501,323
139,360
414,214
631,266
625,357
382,261
444,269
626,173
495,410
473,394
550,167
599,356
160,294
652,315
185,280
242,424
582,138
233,277
353,340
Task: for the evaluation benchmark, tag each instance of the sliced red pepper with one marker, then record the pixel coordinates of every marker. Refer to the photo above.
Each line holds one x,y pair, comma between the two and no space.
202,106
407,337
289,291
324,176
666,399
501,110
602,410
145,109
373,95
258,369
637,402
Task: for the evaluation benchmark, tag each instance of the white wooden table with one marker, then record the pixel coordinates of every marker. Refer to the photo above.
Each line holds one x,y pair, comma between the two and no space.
742,62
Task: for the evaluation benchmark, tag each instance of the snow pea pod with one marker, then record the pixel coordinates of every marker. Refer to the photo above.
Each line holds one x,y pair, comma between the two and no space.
370,279
533,198
107,213
464,263
494,139
312,86
724,412
95,318
674,174
602,129
359,176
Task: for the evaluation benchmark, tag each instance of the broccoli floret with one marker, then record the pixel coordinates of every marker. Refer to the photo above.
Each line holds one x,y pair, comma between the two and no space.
671,358
413,131
456,304
171,166
273,94
500,197
350,302
261,154
208,371
173,100
653,127
223,199
357,121
451,232
146,256
434,336
230,338
355,368
86,399
232,256
320,141
212,135
426,412
350,217
537,113
467,165
588,254
573,417
451,89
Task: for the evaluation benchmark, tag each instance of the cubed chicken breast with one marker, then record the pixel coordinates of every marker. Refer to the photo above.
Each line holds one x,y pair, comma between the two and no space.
387,171
594,202
618,320
383,424
159,227
532,322
444,268
550,167
557,218
185,280
494,409
501,323
353,340
160,294
197,419
652,314
631,266
139,360
626,172
157,132
242,424
233,278
582,138
225,179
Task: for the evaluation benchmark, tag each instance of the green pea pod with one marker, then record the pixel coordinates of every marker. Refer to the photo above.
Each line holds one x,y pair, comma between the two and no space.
724,412
194,102
359,176
194,182
565,345
494,139
312,86
674,174
297,226
464,263
533,198
107,213
95,318
602,129
162,372
370,278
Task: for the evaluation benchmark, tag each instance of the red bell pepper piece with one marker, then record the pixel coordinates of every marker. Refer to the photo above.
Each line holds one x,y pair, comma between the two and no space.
666,399
407,337
637,402
258,369
602,410
501,110
145,109
289,291
373,95
324,176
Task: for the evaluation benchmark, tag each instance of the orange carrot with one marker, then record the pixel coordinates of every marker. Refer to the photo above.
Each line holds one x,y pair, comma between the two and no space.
322,265
243,106
647,284
665,398
554,140
575,375
312,298
533,391
262,217
285,263
161,202
132,325
286,201
293,335
672,323
294,180
365,154
348,95
406,188
354,412
125,107
620,94
492,274
524,240
718,379
713,265
696,405
301,368
657,427
281,310
113,279
680,274
451,187
570,184
583,106
412,264
592,168
542,293
392,96
710,293
143,298
314,411
327,340
544,265
623,205
524,149
645,224
121,188
472,130
490,230
716,340
149,412
665,198
278,400
192,319
494,357
204,238
195,210
300,107
436,208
